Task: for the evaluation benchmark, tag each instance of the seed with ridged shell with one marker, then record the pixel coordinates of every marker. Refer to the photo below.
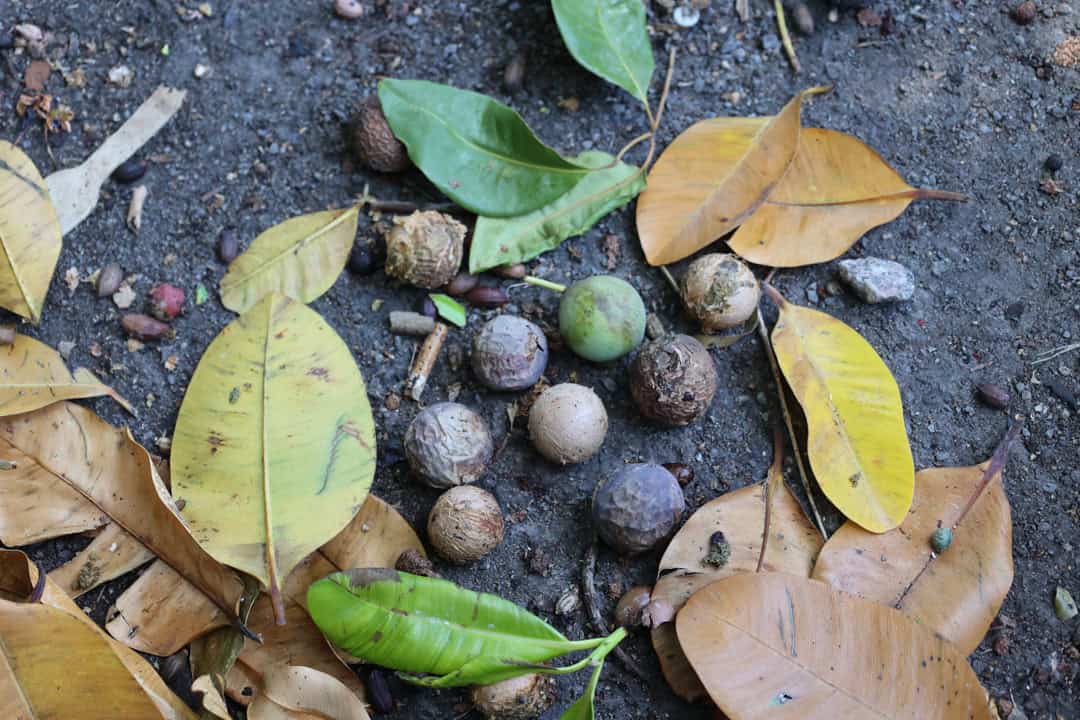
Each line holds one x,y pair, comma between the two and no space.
425,249
509,353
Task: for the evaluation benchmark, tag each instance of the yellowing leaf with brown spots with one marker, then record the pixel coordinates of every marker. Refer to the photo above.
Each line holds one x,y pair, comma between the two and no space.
856,439
712,177
770,645
957,593
836,190
33,375
274,449
29,234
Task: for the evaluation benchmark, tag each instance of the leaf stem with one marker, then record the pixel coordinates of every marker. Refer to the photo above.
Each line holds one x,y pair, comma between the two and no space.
778,378
930,194
785,36
547,284
993,468
654,122
776,468
592,607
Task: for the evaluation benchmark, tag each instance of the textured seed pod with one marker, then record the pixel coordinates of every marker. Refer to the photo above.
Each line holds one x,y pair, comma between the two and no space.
144,327
941,539
465,524
509,353
411,561
520,698
631,608
448,444
424,249
673,380
637,507
109,279
374,142
567,423
720,291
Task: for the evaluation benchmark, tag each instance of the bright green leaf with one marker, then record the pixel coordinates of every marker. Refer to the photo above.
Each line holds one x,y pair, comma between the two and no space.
477,151
608,38
274,449
513,240
584,708
449,309
201,294
301,257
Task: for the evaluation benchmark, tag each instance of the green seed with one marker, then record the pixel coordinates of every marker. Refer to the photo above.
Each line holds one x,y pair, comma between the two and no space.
1064,605
941,539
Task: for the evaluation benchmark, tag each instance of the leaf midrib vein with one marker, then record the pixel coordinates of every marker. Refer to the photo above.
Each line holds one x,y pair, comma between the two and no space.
640,93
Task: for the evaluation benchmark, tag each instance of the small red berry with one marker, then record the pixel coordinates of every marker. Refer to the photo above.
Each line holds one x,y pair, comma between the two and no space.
166,301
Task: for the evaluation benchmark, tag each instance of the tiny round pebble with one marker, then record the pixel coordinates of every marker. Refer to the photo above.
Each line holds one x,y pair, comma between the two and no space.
349,9
941,539
1054,163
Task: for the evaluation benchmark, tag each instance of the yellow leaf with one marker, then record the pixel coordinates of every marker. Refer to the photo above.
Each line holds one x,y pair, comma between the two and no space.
301,258
956,594
836,190
33,375
29,234
274,449
712,177
770,645
857,442
740,516
303,689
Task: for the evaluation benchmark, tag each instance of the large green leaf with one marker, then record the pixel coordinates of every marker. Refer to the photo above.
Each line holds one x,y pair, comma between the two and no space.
301,258
513,240
479,152
425,625
608,37
274,449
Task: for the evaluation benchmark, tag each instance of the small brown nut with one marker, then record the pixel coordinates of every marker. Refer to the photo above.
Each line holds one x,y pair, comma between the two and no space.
509,353
374,142
425,249
995,396
514,74
109,279
520,698
631,608
465,524
673,380
228,246
462,283
720,291
144,327
486,296
568,423
802,18
510,272
1024,13
448,444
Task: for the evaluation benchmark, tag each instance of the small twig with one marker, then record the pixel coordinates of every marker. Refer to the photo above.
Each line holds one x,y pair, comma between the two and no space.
424,362
785,36
1048,355
630,146
778,378
671,281
655,123
592,607
742,7
404,322
403,206
775,475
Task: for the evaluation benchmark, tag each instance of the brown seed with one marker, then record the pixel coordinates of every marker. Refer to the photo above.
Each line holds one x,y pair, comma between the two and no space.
7,334
349,9
629,611
993,395
487,297
1024,13
144,327
802,18
683,473
512,272
109,279
462,283
514,75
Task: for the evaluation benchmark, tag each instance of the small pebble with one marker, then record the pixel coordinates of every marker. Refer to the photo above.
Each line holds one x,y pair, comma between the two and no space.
875,280
7,334
124,297
361,260
1024,13
686,16
129,171
65,347
228,246
1054,163
349,9
514,75
109,279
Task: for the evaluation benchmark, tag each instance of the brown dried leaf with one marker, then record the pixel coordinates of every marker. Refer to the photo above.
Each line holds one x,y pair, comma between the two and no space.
111,554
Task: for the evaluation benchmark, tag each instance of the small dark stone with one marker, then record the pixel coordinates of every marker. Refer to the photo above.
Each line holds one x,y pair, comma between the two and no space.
378,691
1054,163
427,307
514,75
1063,392
1014,311
888,24
129,171
993,395
1024,13
362,260
228,246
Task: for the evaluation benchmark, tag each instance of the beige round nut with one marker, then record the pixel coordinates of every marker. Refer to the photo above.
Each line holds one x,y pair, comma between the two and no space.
448,444
425,249
465,524
720,291
520,698
567,423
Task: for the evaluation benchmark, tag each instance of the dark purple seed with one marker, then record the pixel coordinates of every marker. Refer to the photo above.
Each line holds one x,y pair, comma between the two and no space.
1054,163
427,308
461,284
228,246
129,171
993,395
487,297
378,692
109,279
361,261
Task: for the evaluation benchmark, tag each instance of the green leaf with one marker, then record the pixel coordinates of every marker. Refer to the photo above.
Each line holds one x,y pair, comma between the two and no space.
513,240
449,309
477,151
608,38
301,258
584,708
425,625
274,448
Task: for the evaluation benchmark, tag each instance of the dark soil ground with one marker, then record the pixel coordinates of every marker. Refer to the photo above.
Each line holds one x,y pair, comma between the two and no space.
958,97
